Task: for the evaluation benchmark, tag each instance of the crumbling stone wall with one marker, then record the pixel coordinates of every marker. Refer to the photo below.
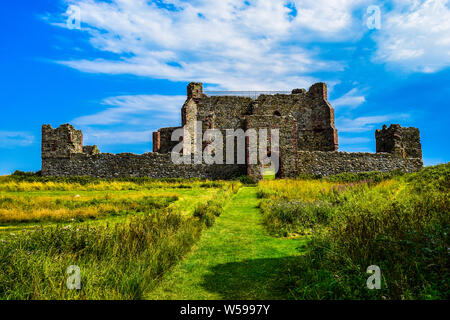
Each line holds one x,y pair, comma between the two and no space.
311,110
330,163
91,150
308,141
162,140
153,165
224,112
63,155
402,142
61,142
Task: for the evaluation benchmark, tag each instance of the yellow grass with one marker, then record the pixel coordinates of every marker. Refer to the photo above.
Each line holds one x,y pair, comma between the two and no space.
303,190
19,208
24,186
22,201
44,214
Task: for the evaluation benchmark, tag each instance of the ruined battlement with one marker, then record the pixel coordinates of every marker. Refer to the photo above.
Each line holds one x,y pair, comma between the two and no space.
61,142
313,114
402,142
308,140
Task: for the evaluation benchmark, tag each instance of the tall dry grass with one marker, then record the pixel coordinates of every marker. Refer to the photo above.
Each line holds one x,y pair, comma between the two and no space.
401,225
19,208
123,261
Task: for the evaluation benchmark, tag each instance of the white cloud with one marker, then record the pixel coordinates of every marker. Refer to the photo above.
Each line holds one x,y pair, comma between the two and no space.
233,44
117,124
11,139
363,124
329,20
415,35
350,99
136,109
255,44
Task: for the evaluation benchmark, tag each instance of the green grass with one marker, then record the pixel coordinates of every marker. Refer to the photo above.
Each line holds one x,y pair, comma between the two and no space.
116,262
187,200
136,233
234,259
400,223
194,239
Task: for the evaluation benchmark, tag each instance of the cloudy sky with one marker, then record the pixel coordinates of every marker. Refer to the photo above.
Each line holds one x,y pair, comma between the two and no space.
118,69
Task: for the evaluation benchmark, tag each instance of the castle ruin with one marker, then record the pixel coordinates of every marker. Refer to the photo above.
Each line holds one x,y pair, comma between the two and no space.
308,141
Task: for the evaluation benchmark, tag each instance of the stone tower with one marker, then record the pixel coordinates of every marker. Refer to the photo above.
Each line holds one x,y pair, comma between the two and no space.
189,113
61,142
402,142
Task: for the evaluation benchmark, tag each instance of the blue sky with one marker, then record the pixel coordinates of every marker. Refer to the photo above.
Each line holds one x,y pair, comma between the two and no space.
123,73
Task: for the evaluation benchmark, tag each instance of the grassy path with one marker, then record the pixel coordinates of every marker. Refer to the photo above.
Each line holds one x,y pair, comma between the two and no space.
235,259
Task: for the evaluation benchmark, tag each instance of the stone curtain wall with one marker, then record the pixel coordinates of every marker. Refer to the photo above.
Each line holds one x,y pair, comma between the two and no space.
308,141
153,165
330,163
63,155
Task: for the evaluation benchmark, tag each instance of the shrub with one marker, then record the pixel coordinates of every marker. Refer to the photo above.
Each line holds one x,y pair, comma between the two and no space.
207,212
305,176
203,213
285,218
401,225
435,177
407,239
399,222
247,180
22,174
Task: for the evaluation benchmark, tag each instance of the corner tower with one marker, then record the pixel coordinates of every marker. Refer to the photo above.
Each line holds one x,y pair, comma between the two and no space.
402,142
61,142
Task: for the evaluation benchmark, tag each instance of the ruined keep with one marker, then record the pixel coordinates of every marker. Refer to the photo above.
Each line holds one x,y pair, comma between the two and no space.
308,141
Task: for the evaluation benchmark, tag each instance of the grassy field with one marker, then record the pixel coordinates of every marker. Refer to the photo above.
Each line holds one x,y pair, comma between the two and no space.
397,222
308,238
123,235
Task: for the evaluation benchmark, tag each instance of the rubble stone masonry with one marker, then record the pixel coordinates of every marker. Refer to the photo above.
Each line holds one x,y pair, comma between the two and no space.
308,141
